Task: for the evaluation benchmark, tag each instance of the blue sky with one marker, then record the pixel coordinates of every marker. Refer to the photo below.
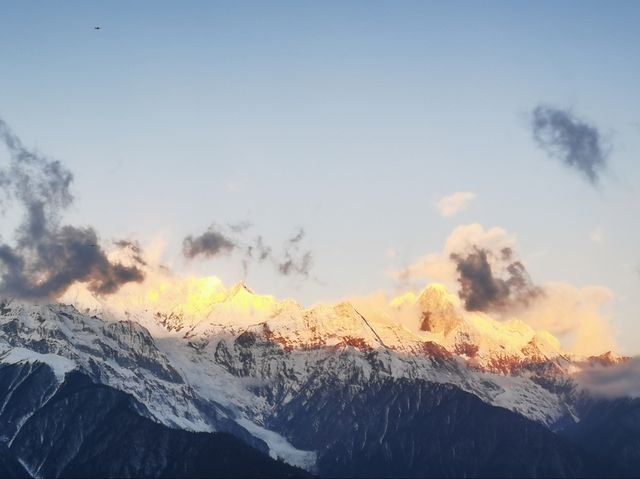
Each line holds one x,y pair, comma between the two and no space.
350,119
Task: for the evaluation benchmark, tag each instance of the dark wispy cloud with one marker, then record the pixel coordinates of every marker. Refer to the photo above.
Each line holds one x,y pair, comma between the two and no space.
240,227
256,250
295,239
46,257
293,259
209,244
482,288
262,250
563,136
301,265
134,249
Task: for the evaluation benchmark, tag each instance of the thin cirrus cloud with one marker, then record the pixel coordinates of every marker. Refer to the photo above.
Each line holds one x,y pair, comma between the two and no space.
455,203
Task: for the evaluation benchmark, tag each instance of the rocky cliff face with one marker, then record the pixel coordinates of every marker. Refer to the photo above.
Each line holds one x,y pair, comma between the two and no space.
413,428
77,428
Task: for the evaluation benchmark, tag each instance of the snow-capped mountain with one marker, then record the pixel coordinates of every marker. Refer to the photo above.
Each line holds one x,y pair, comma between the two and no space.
204,358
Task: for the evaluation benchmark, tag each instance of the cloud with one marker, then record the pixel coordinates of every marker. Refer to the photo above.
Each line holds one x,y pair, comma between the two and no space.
293,260
134,248
241,226
484,265
296,238
441,268
300,265
455,203
261,249
487,287
209,244
46,257
619,380
575,315
571,140
162,287
434,267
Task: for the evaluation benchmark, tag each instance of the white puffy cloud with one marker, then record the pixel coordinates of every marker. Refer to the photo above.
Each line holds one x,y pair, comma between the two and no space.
455,203
439,267
575,315
465,237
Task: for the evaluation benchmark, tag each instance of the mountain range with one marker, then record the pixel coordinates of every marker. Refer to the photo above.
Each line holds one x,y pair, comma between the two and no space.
199,380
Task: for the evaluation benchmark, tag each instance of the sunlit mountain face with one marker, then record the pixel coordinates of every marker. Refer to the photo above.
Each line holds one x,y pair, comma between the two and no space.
188,306
383,384
338,389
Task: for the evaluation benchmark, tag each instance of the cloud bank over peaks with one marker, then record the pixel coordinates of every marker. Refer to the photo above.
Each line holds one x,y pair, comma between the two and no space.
484,267
612,381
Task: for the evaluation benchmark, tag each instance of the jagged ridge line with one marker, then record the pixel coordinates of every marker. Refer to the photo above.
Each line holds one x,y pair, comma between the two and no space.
371,328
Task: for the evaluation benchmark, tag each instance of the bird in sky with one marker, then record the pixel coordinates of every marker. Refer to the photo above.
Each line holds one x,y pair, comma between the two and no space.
97,28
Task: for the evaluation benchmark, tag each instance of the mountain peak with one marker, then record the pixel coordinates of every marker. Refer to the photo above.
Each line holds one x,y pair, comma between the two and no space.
240,288
439,310
241,298
436,292
607,359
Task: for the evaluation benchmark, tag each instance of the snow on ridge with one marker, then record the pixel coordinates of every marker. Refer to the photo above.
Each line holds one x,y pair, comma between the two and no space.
199,351
279,447
59,364
327,325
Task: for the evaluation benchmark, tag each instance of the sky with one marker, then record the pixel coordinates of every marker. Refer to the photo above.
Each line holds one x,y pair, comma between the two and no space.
354,122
